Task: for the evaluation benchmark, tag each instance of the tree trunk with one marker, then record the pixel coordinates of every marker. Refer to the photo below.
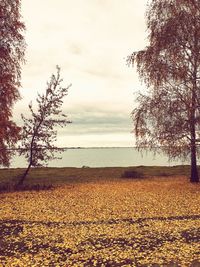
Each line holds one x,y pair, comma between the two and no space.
194,178
22,178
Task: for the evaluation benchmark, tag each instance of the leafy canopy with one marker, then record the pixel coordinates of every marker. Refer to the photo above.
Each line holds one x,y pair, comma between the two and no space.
168,114
12,48
39,132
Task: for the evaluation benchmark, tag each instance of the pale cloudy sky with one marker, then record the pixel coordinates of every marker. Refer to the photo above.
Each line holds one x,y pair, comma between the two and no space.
89,40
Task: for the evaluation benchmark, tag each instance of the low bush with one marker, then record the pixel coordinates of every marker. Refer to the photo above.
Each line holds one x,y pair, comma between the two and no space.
133,174
164,174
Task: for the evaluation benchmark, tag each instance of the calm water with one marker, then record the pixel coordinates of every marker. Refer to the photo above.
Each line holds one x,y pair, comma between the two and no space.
103,157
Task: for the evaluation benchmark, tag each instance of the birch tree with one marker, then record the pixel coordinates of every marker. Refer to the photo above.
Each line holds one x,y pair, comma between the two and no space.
168,113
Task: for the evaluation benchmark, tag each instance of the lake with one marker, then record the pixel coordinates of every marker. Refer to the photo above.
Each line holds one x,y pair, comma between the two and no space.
103,157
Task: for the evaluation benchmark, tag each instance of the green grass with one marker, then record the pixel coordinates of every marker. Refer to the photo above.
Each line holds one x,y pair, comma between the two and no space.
57,176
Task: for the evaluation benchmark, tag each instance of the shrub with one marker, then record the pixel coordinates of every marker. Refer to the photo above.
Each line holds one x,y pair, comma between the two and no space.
164,174
132,174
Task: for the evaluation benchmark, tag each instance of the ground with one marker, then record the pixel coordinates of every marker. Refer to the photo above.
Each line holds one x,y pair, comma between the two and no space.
106,221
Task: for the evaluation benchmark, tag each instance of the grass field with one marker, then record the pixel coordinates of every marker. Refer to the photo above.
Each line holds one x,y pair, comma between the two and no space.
94,217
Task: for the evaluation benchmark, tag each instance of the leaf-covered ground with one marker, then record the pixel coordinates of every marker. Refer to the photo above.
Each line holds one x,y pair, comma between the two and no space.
147,222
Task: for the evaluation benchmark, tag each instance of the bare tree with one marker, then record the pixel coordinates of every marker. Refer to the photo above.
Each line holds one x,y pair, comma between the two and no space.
168,114
12,47
38,133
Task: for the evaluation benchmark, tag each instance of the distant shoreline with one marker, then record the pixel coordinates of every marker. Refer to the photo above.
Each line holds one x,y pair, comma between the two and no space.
98,147
94,147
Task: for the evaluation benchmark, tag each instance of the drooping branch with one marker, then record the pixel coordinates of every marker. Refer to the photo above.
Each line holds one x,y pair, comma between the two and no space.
168,115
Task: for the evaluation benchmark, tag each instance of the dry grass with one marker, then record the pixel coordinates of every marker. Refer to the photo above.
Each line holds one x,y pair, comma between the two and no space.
105,222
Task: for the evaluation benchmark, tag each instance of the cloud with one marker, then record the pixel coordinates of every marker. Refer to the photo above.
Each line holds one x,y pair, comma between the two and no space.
90,40
76,49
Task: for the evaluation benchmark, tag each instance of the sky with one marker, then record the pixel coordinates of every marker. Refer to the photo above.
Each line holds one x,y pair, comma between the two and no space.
90,40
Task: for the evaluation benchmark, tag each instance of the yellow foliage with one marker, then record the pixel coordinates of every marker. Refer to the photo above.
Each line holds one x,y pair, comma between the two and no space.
113,223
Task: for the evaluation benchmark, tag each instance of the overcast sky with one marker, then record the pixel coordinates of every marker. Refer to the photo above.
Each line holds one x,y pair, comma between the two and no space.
89,40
